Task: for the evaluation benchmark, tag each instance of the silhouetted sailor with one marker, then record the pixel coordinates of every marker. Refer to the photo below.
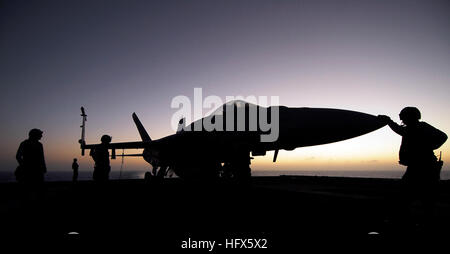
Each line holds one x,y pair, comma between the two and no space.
100,154
75,167
419,139
30,157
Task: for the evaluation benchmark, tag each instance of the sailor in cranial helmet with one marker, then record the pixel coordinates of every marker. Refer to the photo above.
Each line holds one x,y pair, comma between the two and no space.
100,154
419,140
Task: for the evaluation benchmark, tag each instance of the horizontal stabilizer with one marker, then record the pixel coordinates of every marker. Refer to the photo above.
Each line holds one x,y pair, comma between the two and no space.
130,155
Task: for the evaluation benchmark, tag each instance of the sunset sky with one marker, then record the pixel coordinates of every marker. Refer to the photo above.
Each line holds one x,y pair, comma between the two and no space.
119,57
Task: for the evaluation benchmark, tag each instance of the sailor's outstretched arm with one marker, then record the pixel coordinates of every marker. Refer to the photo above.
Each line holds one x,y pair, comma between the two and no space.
393,125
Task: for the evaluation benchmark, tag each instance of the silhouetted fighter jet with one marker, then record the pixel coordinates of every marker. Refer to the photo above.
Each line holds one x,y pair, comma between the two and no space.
199,151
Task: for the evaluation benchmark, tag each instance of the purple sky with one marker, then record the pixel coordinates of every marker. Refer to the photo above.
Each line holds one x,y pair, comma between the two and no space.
119,57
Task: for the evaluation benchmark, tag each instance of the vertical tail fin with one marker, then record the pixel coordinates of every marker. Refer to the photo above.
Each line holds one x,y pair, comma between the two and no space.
141,129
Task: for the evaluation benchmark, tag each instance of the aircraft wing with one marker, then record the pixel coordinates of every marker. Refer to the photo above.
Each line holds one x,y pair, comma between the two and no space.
121,145
131,155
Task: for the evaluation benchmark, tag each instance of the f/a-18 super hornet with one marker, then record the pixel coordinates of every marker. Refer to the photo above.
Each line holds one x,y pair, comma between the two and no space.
222,143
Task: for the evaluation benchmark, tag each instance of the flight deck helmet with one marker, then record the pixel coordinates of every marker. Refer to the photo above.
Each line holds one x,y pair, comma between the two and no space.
35,134
410,114
106,139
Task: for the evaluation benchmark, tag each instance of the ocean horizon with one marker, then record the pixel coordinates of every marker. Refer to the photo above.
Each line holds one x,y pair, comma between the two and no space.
55,176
